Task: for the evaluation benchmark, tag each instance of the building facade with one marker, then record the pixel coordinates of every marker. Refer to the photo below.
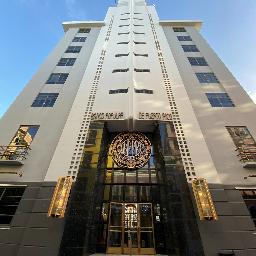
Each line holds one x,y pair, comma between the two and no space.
132,138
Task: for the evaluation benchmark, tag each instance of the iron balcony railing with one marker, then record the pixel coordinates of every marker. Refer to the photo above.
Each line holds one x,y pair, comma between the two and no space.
247,153
17,152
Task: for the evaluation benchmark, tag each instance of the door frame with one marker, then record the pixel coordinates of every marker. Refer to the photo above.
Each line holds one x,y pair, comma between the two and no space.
130,250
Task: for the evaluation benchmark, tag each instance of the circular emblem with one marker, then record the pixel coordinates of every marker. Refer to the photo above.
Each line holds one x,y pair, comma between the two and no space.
130,150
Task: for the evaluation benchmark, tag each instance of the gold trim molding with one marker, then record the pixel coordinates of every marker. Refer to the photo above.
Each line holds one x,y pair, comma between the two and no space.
60,197
204,201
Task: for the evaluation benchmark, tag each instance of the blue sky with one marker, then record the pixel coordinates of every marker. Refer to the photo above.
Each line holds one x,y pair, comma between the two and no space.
31,28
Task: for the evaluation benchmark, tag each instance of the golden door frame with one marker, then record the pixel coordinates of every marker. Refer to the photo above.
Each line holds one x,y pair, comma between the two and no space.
128,247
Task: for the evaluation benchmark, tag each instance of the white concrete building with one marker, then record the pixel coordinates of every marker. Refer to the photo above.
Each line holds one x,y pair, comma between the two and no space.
160,87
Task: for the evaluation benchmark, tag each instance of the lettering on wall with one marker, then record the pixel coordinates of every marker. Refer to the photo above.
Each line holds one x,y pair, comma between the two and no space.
155,116
107,116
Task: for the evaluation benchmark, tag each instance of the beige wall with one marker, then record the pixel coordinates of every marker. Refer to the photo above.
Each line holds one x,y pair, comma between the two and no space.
52,119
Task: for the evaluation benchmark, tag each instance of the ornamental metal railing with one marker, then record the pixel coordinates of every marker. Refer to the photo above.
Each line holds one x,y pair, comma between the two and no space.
247,153
17,152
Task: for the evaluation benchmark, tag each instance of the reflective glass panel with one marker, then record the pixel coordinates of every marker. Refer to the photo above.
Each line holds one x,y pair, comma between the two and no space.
118,176
143,176
130,193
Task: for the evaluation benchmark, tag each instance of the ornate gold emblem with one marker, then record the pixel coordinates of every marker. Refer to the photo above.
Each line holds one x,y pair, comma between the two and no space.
130,150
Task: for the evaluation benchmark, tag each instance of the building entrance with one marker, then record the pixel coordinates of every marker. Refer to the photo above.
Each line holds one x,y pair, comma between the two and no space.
130,229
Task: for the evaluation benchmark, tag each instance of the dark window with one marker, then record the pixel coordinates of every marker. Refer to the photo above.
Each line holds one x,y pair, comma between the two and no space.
45,100
91,137
122,55
138,33
197,61
73,49
219,100
125,19
207,78
137,18
9,201
179,29
190,48
118,91
137,25
184,38
66,62
141,55
57,78
249,197
124,25
120,70
125,13
84,30
123,33
79,39
141,70
139,42
87,160
123,43
137,13
143,91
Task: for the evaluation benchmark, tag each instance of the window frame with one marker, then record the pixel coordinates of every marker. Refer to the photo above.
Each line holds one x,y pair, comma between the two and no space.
69,62
73,49
84,30
207,78
79,39
220,102
42,103
143,91
179,29
118,91
61,80
120,70
13,204
195,61
184,38
189,48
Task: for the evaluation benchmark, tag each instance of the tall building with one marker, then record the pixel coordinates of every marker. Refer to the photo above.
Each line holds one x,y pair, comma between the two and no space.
132,138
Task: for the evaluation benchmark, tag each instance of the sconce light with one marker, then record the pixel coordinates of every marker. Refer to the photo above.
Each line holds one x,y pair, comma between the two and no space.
60,197
204,201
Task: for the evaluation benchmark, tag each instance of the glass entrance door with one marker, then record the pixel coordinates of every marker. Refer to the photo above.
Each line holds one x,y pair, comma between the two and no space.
130,229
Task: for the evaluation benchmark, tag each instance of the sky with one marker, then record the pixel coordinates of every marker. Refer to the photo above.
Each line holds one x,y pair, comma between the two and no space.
31,28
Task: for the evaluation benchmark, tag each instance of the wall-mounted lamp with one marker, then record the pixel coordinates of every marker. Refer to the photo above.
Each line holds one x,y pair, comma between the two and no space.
60,197
204,201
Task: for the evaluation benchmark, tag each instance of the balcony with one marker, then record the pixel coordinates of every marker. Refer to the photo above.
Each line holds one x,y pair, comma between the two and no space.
13,155
247,155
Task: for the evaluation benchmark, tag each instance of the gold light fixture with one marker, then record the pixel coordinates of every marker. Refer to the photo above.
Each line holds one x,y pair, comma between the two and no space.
60,197
204,201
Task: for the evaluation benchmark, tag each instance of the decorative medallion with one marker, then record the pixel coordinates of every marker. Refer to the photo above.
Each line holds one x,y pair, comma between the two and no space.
131,150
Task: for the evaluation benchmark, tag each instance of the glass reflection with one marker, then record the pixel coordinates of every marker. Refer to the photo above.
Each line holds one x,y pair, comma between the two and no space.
131,177
143,176
144,193
130,193
24,135
118,176
117,192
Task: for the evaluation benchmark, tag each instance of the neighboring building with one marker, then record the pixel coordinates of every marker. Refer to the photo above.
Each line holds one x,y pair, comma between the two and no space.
171,111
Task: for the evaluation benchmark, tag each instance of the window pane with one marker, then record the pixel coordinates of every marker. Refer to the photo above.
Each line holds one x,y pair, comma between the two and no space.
207,78
131,177
117,192
143,176
9,201
118,176
130,193
219,100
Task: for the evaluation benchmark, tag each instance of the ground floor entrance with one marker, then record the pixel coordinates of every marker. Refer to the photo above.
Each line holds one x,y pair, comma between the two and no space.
130,229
